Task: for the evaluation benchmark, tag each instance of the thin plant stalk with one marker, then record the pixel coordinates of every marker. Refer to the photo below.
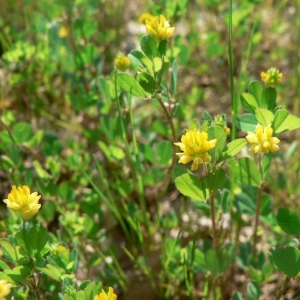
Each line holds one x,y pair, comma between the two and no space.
139,178
213,220
212,213
257,213
234,107
168,115
283,288
136,175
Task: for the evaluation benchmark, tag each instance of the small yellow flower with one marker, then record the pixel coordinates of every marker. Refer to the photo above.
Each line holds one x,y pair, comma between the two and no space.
109,296
5,288
63,32
262,140
122,62
272,77
144,17
21,201
195,146
159,28
227,130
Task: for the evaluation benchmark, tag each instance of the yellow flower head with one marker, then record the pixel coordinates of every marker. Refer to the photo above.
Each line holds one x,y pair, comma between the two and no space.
63,32
122,62
106,296
144,17
195,146
5,288
262,140
272,77
159,28
21,201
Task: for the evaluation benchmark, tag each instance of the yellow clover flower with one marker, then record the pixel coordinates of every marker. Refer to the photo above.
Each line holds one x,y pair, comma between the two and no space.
106,296
122,62
5,288
262,140
159,28
195,146
272,77
63,32
21,201
144,17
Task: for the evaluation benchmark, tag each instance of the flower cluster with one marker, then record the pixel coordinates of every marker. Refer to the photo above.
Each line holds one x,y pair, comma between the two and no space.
63,32
272,77
262,140
144,17
159,28
21,201
122,62
106,296
195,146
5,288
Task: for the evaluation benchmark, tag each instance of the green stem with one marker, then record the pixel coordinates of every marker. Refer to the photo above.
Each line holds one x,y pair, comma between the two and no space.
138,169
24,225
174,140
283,288
212,213
233,99
258,205
213,220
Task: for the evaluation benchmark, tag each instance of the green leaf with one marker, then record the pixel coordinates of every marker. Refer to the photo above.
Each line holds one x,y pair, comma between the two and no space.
287,260
9,251
162,48
269,98
147,82
280,116
129,84
197,189
3,265
194,125
216,132
255,89
247,122
206,117
174,77
23,240
164,152
149,65
136,57
284,121
217,261
264,116
245,171
253,291
147,152
22,132
214,180
157,62
149,46
191,186
249,102
233,148
43,174
38,237
237,296
52,272
288,221
19,273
